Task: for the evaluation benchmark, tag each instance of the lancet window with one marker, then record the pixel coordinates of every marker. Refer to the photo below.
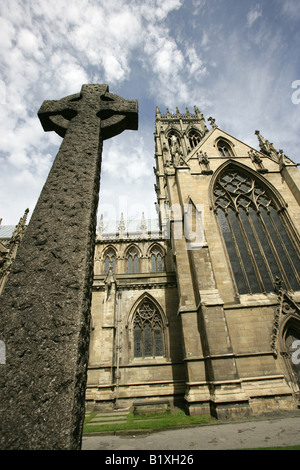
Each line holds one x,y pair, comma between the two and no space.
260,244
156,261
194,139
148,331
133,261
109,260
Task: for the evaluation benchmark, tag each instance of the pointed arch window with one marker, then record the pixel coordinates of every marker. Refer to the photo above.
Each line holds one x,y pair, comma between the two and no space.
292,340
148,331
224,149
156,261
260,245
133,261
292,343
194,139
173,139
109,260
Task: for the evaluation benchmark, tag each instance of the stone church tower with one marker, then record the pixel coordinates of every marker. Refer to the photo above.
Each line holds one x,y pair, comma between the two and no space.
205,311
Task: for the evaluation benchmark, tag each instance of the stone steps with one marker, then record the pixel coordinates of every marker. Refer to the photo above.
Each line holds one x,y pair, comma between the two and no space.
110,417
113,417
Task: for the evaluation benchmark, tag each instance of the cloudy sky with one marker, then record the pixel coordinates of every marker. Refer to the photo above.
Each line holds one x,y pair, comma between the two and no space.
237,60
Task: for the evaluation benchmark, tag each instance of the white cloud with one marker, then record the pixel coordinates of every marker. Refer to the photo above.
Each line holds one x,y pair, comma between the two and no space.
49,49
253,15
290,8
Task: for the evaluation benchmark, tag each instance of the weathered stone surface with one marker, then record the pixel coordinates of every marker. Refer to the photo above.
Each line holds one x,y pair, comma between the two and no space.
45,307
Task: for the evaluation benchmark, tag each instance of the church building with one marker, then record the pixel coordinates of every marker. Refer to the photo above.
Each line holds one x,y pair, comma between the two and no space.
202,311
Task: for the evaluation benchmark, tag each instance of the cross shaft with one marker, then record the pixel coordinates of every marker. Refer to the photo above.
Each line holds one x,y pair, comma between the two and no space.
45,305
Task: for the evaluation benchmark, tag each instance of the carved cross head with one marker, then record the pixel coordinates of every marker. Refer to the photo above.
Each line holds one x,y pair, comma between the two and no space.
93,101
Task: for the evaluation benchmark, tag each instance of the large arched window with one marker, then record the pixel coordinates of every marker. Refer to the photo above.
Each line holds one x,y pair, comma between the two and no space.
259,243
156,261
109,260
133,261
148,331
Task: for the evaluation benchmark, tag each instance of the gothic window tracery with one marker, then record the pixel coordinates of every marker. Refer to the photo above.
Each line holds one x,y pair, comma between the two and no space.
224,149
194,138
109,260
292,345
133,261
148,331
173,140
259,244
156,261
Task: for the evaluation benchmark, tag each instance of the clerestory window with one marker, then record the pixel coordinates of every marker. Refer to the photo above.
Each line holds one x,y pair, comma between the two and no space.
156,261
259,243
148,332
133,261
110,260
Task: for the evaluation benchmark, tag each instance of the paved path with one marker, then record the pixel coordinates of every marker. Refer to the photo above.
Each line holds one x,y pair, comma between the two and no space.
276,430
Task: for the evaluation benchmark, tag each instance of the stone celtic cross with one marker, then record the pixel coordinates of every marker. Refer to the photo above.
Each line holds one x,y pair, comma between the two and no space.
45,305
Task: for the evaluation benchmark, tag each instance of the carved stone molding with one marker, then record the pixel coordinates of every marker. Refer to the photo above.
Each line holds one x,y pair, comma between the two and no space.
286,306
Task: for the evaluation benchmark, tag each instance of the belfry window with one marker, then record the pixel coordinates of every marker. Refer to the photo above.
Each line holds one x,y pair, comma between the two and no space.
224,149
259,243
173,139
110,260
194,139
156,261
133,262
148,331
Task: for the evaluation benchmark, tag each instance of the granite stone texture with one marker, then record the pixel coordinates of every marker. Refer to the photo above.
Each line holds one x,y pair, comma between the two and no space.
45,306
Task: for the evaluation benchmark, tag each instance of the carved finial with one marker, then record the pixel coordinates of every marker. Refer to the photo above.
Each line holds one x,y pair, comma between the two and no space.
278,285
19,230
267,148
100,226
143,226
212,122
121,228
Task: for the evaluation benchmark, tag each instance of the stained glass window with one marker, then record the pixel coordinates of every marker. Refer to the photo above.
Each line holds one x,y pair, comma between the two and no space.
258,242
148,331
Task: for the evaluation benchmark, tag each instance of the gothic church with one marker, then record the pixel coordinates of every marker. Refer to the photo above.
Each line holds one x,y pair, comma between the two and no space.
203,312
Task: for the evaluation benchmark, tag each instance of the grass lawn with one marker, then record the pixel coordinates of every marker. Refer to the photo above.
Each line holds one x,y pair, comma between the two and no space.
176,417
